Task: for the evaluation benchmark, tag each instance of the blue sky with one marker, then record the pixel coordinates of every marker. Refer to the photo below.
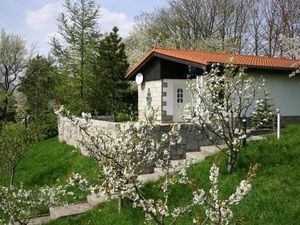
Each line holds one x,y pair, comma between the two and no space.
35,19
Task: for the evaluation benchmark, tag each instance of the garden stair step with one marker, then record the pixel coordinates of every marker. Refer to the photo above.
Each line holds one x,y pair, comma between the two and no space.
212,149
96,199
254,137
195,157
40,220
68,210
177,165
151,177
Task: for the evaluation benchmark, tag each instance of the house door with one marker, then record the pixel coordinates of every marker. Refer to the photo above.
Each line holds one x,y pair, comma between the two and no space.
179,102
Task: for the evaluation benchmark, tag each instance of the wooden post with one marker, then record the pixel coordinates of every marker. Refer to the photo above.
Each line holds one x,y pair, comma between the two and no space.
278,123
244,123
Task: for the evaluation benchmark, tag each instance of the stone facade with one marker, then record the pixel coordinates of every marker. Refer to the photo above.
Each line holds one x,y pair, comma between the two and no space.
150,96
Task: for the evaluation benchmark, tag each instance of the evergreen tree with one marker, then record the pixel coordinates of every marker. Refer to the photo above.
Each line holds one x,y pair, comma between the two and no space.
110,66
263,113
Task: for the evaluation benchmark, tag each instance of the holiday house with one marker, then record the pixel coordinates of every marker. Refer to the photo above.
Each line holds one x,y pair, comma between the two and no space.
162,80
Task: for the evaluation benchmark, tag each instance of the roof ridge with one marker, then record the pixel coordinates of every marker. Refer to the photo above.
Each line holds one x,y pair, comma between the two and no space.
222,53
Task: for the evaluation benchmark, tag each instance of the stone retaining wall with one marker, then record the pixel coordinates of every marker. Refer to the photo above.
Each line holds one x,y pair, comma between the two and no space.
192,139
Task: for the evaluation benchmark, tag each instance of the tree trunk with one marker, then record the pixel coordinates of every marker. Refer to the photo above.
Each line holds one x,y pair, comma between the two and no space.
231,161
4,109
120,205
12,177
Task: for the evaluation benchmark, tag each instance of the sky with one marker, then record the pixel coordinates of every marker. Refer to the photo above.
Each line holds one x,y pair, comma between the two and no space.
35,20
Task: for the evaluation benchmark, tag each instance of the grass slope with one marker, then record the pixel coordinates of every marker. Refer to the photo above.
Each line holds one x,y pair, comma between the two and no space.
49,161
274,199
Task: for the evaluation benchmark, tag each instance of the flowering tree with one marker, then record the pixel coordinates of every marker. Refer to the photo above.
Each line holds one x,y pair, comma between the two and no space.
220,104
291,45
125,155
219,211
19,203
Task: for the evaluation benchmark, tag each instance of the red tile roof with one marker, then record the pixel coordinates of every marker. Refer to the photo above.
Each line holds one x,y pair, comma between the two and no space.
207,58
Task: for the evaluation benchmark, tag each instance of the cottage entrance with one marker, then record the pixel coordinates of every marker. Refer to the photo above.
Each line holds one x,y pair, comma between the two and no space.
179,102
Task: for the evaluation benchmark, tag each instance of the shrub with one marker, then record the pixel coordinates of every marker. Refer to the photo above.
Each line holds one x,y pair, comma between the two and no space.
263,114
46,125
122,117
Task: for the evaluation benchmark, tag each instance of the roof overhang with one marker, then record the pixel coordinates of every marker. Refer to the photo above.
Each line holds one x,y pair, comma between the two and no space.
257,67
134,70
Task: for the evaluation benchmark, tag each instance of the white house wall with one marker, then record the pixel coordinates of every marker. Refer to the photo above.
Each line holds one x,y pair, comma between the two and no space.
169,98
155,90
284,91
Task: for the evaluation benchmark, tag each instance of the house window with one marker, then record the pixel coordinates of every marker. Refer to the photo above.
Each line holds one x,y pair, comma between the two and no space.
179,95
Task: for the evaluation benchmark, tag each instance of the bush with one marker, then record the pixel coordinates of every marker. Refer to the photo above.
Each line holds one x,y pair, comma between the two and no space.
46,124
122,117
263,114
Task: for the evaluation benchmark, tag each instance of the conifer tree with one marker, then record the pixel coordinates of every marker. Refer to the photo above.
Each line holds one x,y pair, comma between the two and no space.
110,66
263,113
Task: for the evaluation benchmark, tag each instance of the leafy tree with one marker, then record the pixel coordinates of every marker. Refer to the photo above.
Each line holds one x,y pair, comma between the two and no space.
77,27
109,66
15,142
38,85
13,60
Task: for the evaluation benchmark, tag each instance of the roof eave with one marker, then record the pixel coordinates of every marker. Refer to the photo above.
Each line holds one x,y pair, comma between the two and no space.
162,56
259,67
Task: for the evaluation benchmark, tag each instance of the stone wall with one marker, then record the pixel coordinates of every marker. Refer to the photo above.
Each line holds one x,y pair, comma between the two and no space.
192,139
70,134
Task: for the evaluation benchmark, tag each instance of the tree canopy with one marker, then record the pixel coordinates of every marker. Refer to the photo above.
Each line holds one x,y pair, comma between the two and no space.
38,84
14,57
232,26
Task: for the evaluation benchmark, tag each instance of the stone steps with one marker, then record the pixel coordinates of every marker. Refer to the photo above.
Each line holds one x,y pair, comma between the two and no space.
254,138
95,200
151,177
40,220
69,210
196,156
212,149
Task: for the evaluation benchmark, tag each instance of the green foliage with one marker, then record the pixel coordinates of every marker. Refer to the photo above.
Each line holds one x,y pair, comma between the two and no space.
273,200
77,26
38,85
109,68
122,117
46,125
91,65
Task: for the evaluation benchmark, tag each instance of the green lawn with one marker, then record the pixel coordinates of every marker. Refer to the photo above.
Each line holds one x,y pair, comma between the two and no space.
49,161
274,199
